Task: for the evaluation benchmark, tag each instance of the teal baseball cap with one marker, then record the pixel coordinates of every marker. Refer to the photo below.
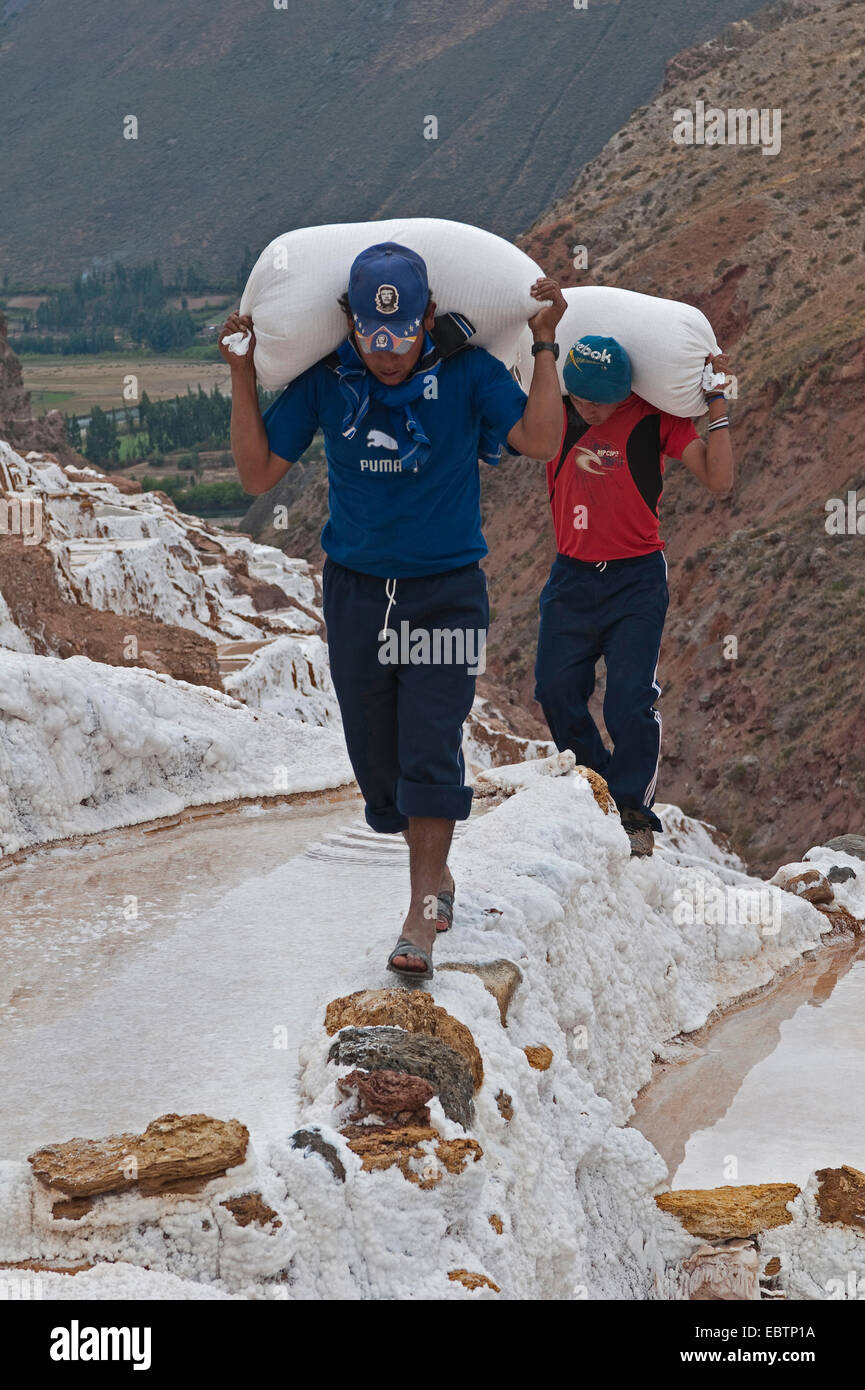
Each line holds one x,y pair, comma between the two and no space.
598,369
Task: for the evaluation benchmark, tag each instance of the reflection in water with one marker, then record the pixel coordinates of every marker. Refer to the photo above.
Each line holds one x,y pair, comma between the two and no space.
68,912
775,1088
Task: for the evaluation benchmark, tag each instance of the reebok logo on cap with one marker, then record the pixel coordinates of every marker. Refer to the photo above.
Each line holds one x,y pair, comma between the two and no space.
586,351
597,369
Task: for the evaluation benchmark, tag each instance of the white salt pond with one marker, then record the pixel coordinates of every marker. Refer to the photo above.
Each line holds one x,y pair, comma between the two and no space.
773,1091
180,969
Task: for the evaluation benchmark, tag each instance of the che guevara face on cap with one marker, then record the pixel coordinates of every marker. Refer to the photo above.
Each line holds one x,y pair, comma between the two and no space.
388,293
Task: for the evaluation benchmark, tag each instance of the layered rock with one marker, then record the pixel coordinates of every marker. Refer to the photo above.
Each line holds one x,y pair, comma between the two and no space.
393,1049
177,1153
841,1196
390,1098
499,977
413,1010
848,844
724,1213
56,625
17,424
725,1273
421,1156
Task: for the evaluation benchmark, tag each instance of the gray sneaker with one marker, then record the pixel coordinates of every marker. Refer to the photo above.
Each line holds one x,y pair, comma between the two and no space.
639,832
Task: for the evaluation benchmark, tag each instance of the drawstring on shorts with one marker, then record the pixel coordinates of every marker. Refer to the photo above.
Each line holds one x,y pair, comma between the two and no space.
391,594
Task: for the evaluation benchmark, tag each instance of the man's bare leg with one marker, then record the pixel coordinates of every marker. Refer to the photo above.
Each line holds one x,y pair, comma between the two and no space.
429,839
447,883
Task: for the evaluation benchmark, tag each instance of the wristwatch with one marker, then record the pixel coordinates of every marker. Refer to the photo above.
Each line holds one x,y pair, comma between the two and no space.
550,347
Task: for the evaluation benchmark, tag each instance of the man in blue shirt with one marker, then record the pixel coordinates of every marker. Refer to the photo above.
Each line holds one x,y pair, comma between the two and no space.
407,407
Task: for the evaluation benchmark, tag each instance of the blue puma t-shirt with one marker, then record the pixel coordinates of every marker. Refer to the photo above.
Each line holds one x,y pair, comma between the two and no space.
383,520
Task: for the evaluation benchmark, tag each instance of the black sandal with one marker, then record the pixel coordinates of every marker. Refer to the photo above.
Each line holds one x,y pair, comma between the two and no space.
407,948
445,910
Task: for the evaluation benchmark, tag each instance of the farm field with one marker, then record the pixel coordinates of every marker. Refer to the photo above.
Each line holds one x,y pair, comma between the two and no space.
75,384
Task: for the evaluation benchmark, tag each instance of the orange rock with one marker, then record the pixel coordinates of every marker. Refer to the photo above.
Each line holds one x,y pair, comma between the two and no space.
73,1209
175,1153
472,1281
506,1105
251,1206
125,485
842,919
600,790
497,1224
402,1148
812,886
772,1268
722,1213
539,1057
414,1010
841,1196
500,977
43,1266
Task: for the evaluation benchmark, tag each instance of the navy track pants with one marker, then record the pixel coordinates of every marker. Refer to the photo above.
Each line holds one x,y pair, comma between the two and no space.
616,611
403,719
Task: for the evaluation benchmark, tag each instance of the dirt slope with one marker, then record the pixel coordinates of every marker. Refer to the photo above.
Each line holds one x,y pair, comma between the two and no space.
771,248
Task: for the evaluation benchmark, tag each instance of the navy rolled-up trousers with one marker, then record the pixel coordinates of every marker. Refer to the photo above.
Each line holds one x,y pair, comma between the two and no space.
403,720
615,610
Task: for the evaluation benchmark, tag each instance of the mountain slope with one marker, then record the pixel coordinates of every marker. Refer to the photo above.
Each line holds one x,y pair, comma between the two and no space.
251,124
771,248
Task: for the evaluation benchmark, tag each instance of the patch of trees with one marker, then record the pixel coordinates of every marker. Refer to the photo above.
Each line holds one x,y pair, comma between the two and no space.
200,419
165,331
103,441
87,340
197,420
202,499
129,300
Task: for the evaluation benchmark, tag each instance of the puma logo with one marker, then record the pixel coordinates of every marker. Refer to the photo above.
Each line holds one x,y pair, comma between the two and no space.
376,439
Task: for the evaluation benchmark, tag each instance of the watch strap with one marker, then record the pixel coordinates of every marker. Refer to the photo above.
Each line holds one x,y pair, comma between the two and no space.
540,347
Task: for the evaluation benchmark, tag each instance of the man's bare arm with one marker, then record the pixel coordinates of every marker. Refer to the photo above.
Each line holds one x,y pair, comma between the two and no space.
711,461
538,432
259,468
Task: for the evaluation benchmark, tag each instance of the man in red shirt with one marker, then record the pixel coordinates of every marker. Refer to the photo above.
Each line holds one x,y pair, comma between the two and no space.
607,592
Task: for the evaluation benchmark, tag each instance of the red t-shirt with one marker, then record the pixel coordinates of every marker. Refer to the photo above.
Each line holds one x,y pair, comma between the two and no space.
605,482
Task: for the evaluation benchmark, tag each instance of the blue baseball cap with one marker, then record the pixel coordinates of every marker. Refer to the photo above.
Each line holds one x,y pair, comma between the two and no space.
599,370
388,293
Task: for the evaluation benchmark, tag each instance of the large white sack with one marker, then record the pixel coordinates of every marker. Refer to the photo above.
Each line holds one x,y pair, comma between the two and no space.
666,341
294,286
